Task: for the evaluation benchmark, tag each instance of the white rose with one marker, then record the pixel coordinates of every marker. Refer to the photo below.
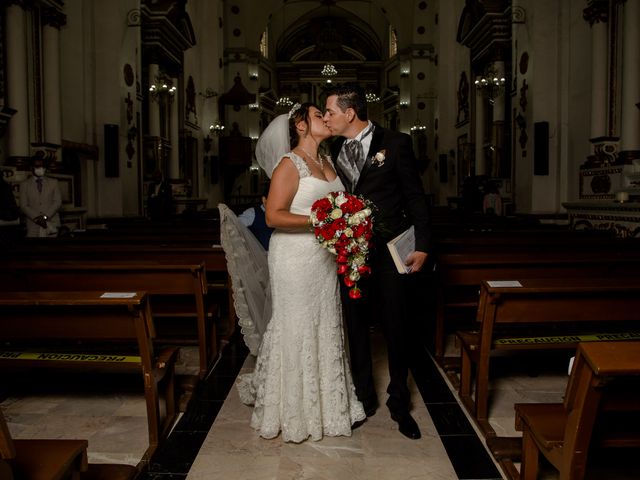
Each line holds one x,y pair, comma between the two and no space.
352,220
340,199
336,213
355,276
358,260
348,232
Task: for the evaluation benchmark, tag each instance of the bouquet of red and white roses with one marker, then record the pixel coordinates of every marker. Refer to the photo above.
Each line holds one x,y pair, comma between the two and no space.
343,224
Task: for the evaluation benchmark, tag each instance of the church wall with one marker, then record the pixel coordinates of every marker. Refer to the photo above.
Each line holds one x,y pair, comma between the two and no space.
547,71
202,62
96,44
579,93
115,45
453,59
78,82
242,32
556,40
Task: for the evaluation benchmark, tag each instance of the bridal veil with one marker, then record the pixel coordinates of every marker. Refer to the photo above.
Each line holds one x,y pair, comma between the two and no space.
249,272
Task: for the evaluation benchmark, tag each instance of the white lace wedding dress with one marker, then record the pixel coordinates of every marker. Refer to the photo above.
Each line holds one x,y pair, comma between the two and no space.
302,384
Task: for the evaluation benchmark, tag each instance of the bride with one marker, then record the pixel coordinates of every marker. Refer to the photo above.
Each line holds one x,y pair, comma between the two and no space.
301,385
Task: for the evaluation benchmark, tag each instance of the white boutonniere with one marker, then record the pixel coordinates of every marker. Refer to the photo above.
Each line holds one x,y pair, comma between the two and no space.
379,157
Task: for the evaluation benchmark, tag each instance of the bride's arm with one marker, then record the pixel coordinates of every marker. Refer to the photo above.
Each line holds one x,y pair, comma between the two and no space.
283,187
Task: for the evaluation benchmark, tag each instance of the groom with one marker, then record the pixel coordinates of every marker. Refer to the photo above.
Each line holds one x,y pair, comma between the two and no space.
379,164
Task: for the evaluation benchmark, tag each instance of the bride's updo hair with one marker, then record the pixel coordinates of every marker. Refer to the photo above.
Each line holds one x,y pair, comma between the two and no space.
299,113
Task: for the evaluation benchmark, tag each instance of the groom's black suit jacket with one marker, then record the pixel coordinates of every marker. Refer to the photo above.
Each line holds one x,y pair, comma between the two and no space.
394,187
396,190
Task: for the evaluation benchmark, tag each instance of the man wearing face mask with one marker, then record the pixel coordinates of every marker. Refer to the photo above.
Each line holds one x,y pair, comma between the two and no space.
40,201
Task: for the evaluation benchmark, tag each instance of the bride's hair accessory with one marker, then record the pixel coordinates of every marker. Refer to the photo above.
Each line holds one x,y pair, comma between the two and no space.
294,109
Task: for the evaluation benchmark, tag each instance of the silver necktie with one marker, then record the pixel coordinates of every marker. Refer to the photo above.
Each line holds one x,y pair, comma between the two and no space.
354,150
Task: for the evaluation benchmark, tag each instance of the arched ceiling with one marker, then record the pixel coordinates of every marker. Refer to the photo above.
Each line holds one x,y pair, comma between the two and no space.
329,30
329,34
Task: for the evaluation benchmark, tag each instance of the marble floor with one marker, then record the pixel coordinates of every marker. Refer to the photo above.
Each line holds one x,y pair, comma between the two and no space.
213,440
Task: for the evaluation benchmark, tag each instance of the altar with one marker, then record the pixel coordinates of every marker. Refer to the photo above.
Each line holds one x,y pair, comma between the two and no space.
621,218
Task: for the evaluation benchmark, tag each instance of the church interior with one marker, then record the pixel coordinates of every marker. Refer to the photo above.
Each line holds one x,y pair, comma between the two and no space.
524,116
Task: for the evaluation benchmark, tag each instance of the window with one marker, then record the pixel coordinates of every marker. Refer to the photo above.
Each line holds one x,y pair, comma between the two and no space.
393,42
264,44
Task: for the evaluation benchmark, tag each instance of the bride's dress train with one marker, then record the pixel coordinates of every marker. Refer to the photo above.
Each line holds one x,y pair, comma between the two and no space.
302,385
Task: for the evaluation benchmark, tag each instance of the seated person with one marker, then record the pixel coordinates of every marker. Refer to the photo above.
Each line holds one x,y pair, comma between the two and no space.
9,210
10,229
40,200
254,219
492,202
160,197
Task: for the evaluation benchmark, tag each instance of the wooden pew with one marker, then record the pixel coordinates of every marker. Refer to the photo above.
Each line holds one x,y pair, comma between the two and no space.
175,290
604,383
526,240
67,322
53,459
459,277
218,283
43,459
542,314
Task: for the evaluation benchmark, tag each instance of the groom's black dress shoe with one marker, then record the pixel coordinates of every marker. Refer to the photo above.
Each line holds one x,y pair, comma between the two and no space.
370,407
358,424
407,425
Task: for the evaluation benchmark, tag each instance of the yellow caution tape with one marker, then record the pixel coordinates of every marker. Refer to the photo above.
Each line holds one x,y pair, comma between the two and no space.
594,337
69,357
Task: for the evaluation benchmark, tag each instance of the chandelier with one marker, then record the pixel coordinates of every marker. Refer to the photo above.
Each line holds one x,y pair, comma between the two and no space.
491,83
284,102
372,97
418,127
329,71
162,87
216,128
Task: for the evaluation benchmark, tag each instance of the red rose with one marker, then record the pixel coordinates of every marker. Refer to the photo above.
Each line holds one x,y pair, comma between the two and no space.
355,293
327,233
340,224
364,270
342,269
348,282
358,230
358,204
321,204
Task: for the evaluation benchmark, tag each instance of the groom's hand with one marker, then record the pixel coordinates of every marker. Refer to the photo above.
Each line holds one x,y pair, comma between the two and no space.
415,261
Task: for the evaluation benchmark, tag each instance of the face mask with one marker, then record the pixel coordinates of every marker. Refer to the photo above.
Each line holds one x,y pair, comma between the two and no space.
39,172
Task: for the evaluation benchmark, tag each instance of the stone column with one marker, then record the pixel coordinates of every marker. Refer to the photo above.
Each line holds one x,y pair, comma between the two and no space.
17,83
480,168
630,125
597,14
598,20
498,114
174,133
154,107
52,21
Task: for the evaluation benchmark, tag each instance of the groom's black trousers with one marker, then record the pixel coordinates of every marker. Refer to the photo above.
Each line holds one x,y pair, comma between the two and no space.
388,301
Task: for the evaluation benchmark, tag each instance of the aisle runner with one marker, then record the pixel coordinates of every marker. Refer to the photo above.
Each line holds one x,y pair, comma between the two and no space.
233,449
